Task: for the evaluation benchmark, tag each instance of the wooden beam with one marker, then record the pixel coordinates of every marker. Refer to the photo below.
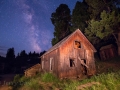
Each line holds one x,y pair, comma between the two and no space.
82,62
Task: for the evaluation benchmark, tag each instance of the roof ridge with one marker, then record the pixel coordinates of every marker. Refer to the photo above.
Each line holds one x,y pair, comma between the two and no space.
60,42
64,40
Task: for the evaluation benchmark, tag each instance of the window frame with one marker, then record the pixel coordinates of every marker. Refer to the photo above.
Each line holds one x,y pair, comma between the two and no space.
77,47
51,62
72,62
42,64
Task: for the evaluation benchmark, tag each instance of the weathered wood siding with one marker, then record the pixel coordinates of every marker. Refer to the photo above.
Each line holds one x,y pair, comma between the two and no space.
90,62
108,52
46,66
68,51
73,56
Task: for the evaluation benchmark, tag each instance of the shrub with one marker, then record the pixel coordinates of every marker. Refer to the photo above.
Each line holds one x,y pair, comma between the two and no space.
16,82
33,84
48,77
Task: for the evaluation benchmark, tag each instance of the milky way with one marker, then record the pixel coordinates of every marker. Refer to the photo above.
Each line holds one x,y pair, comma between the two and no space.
28,14
26,24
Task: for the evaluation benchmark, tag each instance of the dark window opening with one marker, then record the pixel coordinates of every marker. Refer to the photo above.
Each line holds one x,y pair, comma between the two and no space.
51,64
77,44
72,63
84,67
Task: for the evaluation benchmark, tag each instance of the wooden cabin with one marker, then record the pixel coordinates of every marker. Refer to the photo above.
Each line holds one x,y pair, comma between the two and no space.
107,52
71,57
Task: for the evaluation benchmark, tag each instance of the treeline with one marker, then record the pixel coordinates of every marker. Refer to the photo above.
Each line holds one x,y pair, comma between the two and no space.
99,20
11,54
17,64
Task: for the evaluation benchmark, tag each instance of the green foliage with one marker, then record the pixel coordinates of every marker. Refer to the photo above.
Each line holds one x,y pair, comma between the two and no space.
16,83
20,81
110,81
54,41
61,21
71,85
33,84
97,6
48,77
80,16
24,79
16,78
104,27
100,17
47,81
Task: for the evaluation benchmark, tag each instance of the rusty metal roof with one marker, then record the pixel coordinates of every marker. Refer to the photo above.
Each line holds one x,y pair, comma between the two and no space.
66,38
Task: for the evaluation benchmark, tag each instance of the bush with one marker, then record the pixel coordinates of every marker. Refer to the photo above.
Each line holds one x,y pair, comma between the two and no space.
19,81
33,84
16,82
48,77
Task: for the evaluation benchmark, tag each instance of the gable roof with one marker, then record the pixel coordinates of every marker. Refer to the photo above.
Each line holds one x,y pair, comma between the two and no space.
66,38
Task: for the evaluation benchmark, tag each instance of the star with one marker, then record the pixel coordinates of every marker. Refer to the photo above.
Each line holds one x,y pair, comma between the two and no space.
26,25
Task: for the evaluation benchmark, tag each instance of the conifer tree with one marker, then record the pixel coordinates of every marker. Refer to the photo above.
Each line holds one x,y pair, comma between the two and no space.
80,16
61,21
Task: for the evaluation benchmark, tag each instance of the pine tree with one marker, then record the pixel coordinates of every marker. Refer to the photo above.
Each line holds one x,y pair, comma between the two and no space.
97,6
80,16
61,21
10,53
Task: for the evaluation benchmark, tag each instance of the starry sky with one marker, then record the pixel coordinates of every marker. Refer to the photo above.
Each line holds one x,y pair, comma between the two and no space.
26,25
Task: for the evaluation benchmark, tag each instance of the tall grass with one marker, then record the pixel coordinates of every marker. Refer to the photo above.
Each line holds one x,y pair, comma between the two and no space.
33,84
49,77
110,81
47,81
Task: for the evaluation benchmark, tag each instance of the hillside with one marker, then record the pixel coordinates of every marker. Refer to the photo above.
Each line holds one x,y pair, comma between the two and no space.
110,65
107,78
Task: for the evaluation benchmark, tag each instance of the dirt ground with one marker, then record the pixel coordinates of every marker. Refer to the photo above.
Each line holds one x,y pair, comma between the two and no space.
5,80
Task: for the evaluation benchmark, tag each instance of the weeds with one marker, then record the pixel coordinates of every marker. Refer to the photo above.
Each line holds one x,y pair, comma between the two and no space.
48,77
47,81
106,79
33,84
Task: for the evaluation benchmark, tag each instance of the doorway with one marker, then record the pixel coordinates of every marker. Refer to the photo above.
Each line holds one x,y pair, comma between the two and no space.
84,66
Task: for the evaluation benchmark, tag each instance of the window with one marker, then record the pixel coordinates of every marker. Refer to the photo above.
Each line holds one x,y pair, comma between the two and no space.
72,63
77,44
51,59
42,64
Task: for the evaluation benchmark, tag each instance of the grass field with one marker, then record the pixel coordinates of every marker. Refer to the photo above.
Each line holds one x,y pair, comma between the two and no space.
106,78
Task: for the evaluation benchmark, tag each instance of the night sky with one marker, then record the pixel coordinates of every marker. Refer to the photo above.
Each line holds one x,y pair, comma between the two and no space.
26,25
